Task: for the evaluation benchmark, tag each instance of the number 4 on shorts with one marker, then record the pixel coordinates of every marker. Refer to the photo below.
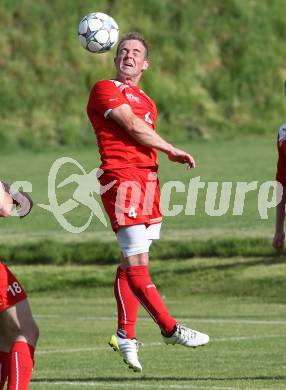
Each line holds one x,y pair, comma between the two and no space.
132,213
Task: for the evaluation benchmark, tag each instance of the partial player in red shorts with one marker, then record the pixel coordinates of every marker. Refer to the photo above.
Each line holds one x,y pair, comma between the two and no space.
124,122
18,330
279,236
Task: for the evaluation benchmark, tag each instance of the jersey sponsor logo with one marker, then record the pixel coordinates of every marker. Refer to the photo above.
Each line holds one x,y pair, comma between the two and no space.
132,98
147,118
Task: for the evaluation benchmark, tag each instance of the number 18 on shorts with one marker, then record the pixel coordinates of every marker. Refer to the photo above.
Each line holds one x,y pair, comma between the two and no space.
11,291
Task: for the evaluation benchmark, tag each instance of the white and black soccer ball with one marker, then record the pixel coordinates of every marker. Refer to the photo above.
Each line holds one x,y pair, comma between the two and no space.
98,32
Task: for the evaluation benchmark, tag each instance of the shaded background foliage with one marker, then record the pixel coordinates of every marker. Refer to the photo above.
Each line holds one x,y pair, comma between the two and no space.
58,253
217,67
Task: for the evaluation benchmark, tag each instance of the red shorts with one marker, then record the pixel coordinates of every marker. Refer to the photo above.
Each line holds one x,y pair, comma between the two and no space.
11,291
133,199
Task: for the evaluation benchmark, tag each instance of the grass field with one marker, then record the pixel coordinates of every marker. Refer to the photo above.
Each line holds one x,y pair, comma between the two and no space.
246,159
247,350
239,302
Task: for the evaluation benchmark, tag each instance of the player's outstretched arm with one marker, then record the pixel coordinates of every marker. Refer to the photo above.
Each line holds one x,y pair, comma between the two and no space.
279,236
146,136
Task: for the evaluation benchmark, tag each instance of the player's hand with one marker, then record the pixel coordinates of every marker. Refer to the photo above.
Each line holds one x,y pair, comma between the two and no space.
278,242
180,156
6,202
23,202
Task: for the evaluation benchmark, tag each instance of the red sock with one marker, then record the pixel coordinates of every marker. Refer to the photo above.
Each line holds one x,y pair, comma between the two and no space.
127,304
141,284
21,365
4,368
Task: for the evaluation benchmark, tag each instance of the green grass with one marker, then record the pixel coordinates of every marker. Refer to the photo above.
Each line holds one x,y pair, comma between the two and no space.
224,277
239,302
244,352
105,252
246,159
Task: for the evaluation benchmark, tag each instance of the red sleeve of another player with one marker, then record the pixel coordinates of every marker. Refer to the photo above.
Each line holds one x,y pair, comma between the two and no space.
105,96
283,148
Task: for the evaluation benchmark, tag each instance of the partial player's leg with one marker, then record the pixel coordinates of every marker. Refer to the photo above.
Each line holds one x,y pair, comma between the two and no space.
5,347
127,304
124,341
134,243
22,332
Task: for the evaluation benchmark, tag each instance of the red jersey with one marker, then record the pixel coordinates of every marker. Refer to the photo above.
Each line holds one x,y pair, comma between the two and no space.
281,163
117,148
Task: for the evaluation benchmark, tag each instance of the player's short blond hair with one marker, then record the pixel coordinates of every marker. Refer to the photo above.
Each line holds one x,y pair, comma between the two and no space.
134,36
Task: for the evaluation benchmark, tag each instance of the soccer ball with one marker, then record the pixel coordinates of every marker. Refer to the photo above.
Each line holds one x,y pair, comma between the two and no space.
98,32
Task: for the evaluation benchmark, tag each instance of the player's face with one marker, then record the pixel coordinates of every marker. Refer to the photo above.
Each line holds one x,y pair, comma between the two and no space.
131,61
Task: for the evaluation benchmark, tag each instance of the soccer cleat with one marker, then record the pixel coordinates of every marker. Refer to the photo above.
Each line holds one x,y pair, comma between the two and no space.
128,349
187,337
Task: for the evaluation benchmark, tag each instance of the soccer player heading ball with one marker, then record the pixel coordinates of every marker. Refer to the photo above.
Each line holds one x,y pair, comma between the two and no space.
124,121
